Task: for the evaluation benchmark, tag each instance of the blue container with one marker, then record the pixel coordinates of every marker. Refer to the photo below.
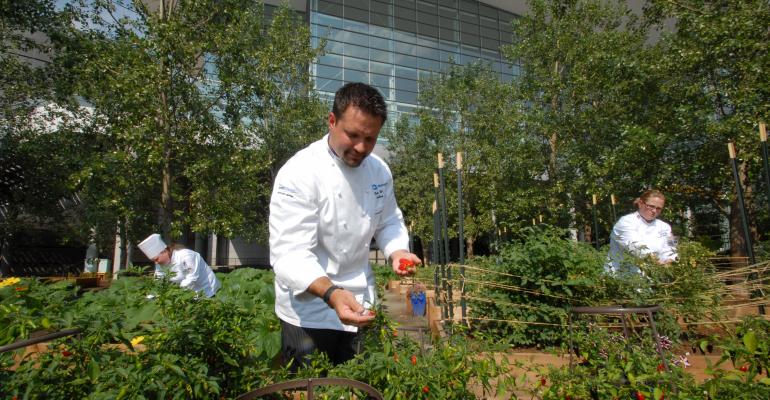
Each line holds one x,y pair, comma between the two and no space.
418,304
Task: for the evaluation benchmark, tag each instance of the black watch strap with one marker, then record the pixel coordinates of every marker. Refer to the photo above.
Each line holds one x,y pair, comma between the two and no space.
328,294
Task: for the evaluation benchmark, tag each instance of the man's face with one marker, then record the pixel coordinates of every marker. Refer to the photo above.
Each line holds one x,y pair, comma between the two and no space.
353,135
164,258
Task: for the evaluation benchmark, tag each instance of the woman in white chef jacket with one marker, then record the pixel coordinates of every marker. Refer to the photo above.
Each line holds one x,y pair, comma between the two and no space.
642,234
188,268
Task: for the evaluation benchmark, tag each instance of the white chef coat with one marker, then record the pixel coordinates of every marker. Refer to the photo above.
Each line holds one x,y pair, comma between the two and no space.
190,271
323,216
635,235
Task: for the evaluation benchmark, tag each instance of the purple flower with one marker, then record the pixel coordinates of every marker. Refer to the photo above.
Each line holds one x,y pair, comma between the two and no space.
665,342
682,360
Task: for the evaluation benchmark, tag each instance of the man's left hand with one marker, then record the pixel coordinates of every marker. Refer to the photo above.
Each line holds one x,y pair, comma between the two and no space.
404,263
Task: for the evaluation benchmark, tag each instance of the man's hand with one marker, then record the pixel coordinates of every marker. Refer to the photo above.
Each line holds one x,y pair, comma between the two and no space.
348,309
404,263
343,302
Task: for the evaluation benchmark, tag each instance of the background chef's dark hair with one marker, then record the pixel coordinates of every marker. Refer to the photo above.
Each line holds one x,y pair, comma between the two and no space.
361,95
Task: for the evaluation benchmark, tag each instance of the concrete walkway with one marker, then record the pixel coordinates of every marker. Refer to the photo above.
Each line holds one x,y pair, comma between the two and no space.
416,327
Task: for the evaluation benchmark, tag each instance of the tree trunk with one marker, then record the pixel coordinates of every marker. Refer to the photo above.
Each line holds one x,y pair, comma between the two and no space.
469,247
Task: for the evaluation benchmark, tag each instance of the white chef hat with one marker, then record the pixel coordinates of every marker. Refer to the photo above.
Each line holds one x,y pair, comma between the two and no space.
152,246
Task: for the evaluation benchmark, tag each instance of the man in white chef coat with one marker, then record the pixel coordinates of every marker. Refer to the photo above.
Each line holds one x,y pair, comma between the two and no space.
329,200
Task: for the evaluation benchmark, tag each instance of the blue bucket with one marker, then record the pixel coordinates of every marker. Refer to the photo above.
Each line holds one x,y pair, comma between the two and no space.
418,304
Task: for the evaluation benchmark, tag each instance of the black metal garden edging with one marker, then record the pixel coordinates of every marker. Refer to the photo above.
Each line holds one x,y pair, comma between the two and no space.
40,339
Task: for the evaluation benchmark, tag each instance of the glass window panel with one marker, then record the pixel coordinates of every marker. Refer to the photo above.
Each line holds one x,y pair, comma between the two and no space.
448,56
382,81
469,39
426,41
334,47
404,36
357,38
331,60
356,63
487,11
329,8
404,3
407,73
449,23
323,71
379,31
470,50
328,20
469,6
506,38
381,56
449,46
327,85
449,34
426,18
489,28
491,44
406,97
407,61
356,14
469,17
380,19
430,65
405,25
356,76
428,52
506,27
450,13
356,51
380,43
469,28
381,68
493,55
427,7
406,84
380,7
406,48
355,26
404,13
427,30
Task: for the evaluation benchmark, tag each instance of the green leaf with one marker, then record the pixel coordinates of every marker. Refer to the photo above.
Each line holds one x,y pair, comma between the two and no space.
750,341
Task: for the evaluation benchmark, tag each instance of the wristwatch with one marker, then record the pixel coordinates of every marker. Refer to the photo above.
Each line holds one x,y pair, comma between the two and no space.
328,294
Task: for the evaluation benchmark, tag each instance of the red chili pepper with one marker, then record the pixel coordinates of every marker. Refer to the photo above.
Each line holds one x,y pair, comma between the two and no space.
639,396
66,353
661,367
414,360
425,389
543,381
744,367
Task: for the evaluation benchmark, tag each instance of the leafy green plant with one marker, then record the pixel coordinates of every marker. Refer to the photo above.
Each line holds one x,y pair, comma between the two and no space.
748,353
535,280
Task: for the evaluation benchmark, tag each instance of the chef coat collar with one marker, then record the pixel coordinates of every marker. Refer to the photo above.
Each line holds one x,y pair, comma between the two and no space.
644,220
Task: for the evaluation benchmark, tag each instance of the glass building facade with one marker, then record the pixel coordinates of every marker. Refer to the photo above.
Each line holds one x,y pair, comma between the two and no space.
391,44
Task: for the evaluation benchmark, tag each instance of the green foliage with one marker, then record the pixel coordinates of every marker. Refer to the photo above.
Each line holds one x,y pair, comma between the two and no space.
171,344
534,281
399,369
609,366
748,352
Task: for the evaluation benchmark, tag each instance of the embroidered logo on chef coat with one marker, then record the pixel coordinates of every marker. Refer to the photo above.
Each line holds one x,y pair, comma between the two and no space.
378,189
286,191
